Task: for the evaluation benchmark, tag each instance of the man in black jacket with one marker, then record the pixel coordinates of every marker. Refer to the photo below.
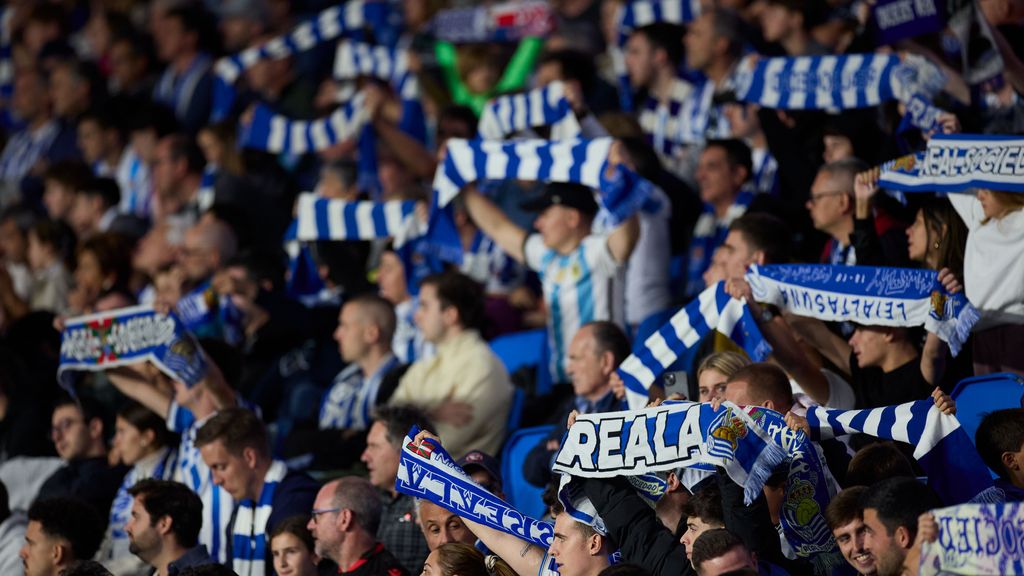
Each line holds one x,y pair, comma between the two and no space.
78,435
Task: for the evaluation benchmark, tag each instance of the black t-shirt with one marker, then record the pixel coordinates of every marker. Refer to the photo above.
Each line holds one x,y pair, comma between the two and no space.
874,388
376,562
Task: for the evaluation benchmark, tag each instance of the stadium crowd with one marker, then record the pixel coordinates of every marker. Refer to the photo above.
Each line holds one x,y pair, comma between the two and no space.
394,236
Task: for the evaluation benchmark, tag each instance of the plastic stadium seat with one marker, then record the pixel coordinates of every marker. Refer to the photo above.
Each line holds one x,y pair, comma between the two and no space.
980,395
524,496
525,349
515,413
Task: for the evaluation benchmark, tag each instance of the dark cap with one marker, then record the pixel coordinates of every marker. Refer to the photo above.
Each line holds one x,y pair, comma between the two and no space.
565,194
480,460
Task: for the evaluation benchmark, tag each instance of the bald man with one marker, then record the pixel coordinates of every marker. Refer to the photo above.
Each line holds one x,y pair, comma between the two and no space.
366,325
206,248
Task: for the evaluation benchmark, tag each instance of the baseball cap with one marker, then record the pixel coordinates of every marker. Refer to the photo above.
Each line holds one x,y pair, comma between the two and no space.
565,194
482,461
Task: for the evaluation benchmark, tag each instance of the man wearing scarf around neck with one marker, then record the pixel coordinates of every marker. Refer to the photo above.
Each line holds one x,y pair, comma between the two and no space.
235,446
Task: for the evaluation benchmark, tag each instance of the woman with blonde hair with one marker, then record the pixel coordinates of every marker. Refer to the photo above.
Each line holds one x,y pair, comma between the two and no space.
458,559
715,370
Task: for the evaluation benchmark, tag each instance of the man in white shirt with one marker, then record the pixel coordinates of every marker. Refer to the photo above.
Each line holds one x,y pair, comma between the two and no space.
582,273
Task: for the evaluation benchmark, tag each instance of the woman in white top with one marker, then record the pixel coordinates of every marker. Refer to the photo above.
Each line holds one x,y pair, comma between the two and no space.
141,441
994,276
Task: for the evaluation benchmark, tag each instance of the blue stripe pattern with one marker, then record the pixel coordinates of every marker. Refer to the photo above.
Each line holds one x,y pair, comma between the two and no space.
348,20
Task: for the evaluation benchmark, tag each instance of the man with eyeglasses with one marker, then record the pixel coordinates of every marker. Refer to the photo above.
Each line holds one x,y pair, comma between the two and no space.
78,435
344,523
866,241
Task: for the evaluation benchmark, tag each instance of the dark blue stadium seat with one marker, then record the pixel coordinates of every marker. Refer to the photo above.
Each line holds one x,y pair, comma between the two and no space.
525,349
980,395
520,493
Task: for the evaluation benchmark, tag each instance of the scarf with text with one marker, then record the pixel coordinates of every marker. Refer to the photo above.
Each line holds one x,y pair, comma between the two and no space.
959,163
976,540
873,296
207,314
249,538
335,22
547,106
942,447
127,336
713,310
429,473
504,22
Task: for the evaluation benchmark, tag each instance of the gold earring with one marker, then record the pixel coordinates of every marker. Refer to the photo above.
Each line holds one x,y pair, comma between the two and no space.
937,243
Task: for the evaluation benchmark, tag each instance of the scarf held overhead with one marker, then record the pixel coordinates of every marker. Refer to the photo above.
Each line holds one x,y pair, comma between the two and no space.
547,106
867,295
428,472
320,218
945,452
713,310
276,133
127,336
959,163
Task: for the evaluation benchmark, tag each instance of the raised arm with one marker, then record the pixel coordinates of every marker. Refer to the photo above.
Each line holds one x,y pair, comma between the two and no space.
786,350
133,382
496,224
525,558
622,239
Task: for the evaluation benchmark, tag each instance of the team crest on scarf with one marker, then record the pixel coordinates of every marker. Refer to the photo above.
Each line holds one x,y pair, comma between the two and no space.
726,432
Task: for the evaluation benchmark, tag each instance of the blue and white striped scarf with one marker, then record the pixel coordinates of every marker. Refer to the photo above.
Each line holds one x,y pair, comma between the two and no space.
495,22
333,23
276,133
546,106
348,403
808,490
126,336
842,82
959,163
835,82
176,90
867,295
249,538
708,234
319,218
206,194
976,539
429,473
713,310
165,463
942,447
674,435
355,59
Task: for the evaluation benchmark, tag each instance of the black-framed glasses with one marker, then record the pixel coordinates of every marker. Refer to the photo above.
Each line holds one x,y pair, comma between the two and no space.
315,513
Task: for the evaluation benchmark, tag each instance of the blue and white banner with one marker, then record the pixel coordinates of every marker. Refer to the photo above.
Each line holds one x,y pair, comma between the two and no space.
867,295
127,336
959,163
922,115
713,310
278,134
834,82
320,218
428,472
335,22
504,22
942,447
976,540
547,106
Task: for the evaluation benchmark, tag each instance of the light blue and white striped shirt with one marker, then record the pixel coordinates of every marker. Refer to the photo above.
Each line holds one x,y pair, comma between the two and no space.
351,399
